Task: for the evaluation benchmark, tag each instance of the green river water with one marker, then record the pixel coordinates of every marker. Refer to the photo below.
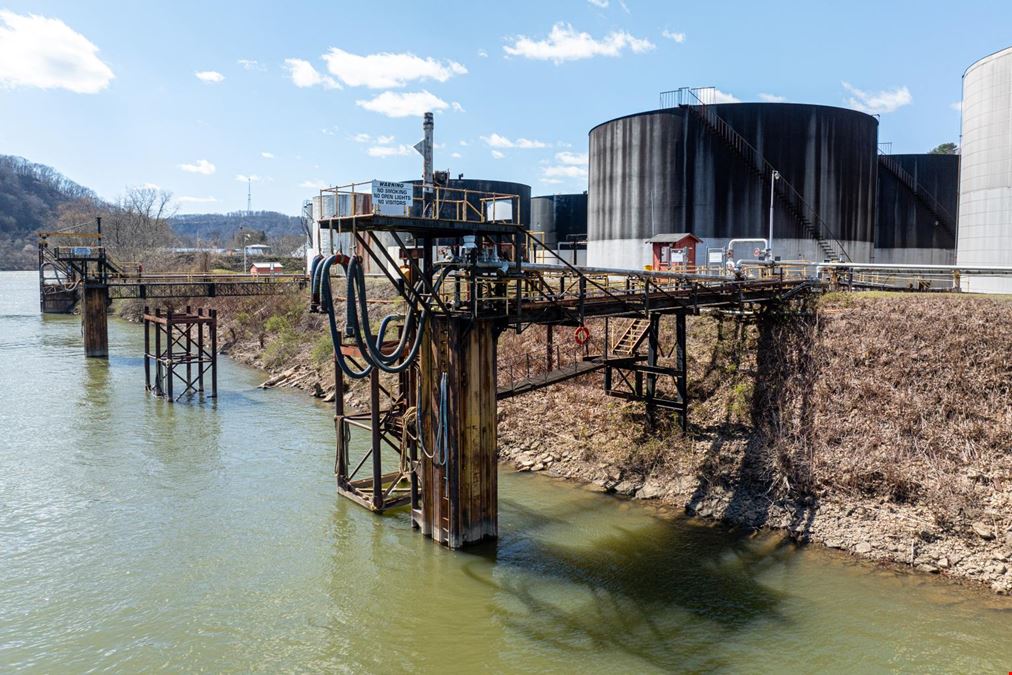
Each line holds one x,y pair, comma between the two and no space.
138,535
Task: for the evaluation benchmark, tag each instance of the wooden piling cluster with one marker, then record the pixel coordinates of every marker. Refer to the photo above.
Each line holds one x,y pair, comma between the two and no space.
183,347
459,503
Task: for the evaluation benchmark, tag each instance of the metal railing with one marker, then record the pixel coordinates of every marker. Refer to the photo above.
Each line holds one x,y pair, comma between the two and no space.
430,201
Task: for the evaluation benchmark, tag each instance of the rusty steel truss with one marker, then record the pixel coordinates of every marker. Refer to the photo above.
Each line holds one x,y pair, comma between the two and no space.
183,347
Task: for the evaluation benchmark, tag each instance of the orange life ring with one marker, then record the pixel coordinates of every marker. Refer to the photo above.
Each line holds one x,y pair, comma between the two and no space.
581,335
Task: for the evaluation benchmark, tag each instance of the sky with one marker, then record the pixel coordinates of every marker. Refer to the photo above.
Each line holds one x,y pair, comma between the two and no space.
204,99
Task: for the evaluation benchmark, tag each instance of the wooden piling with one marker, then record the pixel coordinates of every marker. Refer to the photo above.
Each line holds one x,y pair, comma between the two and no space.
460,495
95,321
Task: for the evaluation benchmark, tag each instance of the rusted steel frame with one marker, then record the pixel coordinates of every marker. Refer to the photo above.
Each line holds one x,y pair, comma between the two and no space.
406,289
147,351
377,459
200,352
681,379
426,279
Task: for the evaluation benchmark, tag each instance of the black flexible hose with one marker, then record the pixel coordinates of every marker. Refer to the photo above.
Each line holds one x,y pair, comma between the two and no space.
328,306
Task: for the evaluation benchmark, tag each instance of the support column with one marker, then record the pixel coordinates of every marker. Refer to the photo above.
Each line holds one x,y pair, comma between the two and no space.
653,349
460,491
680,368
95,321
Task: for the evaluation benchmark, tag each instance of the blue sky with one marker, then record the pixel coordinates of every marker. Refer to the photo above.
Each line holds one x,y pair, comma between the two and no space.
108,93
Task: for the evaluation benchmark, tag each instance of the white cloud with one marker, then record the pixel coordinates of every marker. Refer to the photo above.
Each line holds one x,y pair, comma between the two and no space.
329,131
252,178
957,106
456,155
463,144
409,104
772,98
386,69
456,107
564,43
197,200
677,37
383,151
304,75
877,102
151,186
496,141
551,181
210,76
267,155
572,158
201,166
724,97
564,171
497,155
250,64
625,7
599,3
366,138
313,184
482,54
36,51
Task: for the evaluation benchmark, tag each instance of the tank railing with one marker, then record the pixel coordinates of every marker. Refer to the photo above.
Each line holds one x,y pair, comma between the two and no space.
928,198
428,200
817,228
688,96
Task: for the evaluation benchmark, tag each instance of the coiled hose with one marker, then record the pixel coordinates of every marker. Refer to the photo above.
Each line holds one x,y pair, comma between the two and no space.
357,324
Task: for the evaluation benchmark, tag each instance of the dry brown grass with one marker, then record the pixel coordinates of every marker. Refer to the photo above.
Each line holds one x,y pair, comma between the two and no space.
903,398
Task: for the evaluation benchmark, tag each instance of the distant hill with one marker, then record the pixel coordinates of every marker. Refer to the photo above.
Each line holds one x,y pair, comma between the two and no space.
30,196
224,227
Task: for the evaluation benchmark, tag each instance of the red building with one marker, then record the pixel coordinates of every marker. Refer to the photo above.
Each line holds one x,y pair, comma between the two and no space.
676,251
258,269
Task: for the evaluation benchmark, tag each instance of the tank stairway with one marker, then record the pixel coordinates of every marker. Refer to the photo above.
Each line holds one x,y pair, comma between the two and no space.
802,211
632,337
927,198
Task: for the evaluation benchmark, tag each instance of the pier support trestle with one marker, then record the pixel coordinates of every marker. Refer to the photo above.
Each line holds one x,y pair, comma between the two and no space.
183,347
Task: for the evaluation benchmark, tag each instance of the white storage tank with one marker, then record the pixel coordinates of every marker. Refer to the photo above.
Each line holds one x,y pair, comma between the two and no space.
985,182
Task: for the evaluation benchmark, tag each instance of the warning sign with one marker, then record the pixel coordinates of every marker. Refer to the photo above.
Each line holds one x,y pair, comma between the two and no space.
391,199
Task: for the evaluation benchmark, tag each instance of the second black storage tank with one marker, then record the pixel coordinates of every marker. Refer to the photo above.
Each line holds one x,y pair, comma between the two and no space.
918,197
560,218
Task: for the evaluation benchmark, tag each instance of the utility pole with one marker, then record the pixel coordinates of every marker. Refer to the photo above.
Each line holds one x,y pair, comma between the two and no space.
773,181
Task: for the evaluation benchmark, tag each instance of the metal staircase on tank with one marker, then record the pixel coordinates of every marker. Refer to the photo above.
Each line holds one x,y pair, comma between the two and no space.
927,198
632,337
790,197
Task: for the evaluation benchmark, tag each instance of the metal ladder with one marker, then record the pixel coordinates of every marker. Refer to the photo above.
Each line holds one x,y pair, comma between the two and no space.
632,337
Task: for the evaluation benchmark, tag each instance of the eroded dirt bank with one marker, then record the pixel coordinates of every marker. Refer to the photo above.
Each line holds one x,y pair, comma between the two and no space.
877,424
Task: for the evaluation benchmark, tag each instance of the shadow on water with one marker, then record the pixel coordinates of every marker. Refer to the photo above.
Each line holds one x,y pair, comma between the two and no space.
665,592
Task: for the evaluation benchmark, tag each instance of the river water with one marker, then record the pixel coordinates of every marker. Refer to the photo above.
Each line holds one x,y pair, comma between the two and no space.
135,534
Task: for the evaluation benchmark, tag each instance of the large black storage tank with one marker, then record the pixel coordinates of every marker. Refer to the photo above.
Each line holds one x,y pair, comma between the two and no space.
668,171
918,202
560,218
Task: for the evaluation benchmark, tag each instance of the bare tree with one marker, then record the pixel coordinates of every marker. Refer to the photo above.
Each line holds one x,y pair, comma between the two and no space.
139,223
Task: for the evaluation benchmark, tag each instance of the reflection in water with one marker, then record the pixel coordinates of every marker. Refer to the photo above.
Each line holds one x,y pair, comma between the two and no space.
138,535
